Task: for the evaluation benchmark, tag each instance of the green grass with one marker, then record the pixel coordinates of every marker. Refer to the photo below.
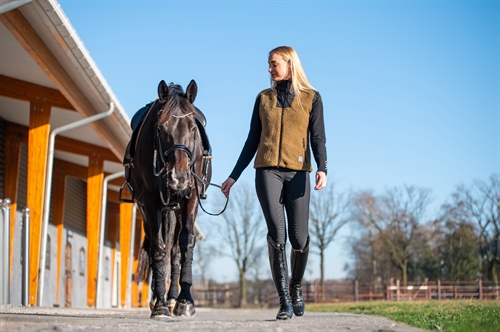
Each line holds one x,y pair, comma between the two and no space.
448,316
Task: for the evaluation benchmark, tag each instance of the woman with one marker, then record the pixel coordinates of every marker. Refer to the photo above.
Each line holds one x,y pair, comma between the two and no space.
286,119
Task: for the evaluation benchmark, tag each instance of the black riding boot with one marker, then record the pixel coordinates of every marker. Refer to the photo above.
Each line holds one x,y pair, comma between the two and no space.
298,262
277,260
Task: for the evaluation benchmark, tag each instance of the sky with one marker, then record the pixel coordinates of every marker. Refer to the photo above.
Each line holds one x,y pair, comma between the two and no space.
410,89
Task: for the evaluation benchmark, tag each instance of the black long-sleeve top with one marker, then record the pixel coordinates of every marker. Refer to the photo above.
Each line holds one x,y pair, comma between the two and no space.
316,130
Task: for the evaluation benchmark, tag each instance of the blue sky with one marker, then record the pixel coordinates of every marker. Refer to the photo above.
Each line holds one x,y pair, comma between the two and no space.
410,88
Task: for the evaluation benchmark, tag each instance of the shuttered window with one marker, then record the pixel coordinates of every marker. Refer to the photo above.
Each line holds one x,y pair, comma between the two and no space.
22,182
75,209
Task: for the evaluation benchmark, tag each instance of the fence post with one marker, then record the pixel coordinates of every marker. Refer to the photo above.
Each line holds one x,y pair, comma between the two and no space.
25,257
5,251
227,301
356,291
389,289
398,290
427,291
480,289
439,289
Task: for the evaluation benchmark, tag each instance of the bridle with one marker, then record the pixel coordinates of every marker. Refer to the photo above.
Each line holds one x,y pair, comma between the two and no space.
161,166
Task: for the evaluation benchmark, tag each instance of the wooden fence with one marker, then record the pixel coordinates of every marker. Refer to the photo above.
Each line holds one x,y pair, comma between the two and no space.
350,291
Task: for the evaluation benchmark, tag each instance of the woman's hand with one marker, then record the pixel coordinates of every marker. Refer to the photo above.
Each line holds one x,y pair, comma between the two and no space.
320,180
226,186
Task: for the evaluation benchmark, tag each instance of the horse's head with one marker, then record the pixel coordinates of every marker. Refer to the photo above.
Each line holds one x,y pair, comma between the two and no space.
178,134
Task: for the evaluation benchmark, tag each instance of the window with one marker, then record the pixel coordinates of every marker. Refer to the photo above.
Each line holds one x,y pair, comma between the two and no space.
81,262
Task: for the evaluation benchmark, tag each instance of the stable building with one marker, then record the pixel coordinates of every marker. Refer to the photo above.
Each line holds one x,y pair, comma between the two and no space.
47,81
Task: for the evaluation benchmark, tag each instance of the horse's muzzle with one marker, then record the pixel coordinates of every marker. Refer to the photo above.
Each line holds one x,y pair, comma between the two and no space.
179,180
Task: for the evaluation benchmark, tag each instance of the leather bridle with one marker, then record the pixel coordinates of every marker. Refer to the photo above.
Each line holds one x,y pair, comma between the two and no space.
160,161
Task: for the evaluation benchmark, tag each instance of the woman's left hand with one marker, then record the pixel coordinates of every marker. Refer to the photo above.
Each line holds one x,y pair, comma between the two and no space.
320,180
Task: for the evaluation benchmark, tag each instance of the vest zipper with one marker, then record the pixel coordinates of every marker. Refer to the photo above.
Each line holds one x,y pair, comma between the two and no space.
281,135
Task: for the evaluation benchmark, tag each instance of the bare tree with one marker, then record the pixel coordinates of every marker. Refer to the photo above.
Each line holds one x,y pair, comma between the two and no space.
397,217
368,250
327,216
480,204
240,233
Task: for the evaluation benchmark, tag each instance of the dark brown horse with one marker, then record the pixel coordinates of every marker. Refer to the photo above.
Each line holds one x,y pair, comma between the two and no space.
168,164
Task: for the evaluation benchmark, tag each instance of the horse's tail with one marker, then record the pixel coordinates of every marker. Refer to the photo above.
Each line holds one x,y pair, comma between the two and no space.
144,265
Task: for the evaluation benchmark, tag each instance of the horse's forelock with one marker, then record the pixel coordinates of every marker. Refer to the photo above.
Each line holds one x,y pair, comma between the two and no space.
176,104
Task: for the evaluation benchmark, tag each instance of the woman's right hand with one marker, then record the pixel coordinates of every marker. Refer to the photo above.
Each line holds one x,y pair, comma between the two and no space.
226,186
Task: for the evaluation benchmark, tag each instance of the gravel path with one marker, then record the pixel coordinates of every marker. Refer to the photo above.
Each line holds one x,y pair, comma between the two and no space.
206,319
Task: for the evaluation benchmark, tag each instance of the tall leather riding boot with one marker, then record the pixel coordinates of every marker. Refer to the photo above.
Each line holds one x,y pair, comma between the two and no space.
298,262
279,271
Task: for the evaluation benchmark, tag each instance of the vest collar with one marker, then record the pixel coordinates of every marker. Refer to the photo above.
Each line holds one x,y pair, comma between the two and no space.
284,94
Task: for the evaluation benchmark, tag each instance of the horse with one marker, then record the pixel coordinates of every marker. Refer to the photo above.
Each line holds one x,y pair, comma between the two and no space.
168,174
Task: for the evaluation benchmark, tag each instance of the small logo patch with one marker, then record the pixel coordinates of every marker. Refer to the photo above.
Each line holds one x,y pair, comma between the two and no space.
300,159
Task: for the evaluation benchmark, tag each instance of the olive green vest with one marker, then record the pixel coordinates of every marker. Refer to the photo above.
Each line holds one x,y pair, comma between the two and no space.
284,140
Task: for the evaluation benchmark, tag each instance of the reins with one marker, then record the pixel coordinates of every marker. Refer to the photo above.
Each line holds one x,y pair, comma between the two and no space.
197,178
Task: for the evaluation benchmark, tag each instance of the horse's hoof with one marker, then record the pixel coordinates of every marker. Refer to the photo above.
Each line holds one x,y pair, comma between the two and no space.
161,313
184,308
152,304
171,305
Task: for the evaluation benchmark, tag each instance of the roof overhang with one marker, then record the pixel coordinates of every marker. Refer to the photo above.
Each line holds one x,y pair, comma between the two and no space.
39,46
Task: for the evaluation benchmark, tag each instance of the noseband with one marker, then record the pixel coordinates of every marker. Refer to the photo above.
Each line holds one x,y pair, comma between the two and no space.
162,164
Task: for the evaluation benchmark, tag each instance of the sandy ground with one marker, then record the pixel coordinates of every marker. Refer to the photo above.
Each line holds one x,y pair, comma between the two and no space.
206,319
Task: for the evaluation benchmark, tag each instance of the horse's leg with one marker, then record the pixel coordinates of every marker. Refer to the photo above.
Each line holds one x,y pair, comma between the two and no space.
173,291
158,255
185,303
171,235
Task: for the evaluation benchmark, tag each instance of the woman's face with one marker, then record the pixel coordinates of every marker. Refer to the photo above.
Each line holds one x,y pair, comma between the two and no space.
278,68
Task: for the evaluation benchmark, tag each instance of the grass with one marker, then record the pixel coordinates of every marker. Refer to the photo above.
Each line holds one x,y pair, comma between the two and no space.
448,316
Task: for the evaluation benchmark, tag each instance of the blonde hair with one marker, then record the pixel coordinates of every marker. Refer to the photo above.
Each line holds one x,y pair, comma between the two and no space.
297,73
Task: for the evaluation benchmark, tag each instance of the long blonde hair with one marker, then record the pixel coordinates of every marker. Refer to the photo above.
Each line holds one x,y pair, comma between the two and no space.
297,73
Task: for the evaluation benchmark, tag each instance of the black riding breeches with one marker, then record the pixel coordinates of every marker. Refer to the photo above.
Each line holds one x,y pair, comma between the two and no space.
279,190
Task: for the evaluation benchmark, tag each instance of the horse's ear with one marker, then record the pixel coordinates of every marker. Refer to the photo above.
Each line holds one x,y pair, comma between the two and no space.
162,91
191,91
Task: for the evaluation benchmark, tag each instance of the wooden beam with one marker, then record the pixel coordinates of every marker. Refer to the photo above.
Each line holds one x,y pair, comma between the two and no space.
38,139
66,168
24,33
17,132
117,182
12,161
22,90
94,206
125,238
58,201
67,144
